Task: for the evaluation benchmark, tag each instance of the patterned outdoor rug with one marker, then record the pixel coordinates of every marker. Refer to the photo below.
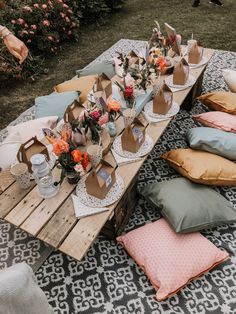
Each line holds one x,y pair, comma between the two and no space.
108,280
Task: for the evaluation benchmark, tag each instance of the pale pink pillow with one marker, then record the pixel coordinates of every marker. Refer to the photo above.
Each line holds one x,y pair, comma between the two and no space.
217,119
170,260
33,128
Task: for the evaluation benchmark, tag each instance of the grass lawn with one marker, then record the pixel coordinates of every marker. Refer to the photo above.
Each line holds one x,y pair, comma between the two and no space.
214,26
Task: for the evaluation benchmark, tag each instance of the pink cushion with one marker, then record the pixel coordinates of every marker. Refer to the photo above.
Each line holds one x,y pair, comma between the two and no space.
217,119
170,260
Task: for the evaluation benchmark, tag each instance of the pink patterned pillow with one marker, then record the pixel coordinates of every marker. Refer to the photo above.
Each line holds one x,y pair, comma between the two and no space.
217,119
170,260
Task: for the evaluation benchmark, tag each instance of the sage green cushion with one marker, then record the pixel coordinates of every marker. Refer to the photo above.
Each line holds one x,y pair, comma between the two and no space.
189,206
213,141
54,104
106,67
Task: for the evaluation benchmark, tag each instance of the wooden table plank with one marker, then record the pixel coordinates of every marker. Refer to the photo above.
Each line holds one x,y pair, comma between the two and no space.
40,216
60,225
6,179
11,197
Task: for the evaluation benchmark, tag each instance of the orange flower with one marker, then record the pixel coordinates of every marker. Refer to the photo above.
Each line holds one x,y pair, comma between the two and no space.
65,135
60,146
113,105
77,155
85,161
161,62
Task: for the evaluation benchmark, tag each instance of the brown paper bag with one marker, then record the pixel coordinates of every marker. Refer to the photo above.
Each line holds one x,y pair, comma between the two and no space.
163,100
133,137
181,72
195,54
100,180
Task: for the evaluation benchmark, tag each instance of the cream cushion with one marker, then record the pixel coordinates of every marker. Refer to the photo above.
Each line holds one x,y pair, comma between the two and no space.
8,150
230,79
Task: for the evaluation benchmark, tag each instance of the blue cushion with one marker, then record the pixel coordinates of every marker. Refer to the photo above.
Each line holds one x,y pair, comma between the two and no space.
107,67
54,104
214,141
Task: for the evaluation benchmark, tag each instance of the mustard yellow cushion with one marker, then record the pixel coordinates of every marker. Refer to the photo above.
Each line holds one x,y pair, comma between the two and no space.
202,167
83,84
221,101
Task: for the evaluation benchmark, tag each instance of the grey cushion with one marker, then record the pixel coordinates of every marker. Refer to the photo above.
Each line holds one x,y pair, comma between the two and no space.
54,104
189,206
106,67
213,140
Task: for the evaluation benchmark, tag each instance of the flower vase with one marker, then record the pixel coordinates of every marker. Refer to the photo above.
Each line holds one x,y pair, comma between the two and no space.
72,177
111,128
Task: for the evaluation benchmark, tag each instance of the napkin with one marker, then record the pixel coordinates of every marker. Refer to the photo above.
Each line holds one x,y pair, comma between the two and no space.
82,210
120,160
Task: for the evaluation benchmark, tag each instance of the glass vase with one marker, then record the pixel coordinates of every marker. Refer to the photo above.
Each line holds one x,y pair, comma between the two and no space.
111,128
72,177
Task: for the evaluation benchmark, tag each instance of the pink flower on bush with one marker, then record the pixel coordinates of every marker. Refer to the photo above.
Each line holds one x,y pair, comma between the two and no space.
31,32
36,5
13,21
70,11
67,19
50,38
33,26
46,23
62,14
26,25
29,41
21,21
69,32
65,5
44,6
27,8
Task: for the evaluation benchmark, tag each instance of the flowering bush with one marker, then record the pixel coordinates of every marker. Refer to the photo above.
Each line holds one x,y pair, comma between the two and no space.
42,24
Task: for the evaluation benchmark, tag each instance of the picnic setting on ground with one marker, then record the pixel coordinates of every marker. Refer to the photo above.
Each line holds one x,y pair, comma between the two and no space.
117,188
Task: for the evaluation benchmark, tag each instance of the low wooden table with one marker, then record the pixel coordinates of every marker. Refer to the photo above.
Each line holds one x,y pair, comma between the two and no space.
53,220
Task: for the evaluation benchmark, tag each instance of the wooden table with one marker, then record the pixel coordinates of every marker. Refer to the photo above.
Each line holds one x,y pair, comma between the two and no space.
53,220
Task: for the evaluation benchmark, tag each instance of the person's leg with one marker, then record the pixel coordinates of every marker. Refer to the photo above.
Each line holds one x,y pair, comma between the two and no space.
195,3
216,2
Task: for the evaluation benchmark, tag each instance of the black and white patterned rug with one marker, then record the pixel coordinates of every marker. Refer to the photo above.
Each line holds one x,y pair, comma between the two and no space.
108,280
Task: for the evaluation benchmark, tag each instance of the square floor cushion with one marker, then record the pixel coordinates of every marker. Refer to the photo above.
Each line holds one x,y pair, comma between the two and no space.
202,167
230,79
189,206
54,104
213,141
33,128
170,260
221,101
82,84
9,149
217,119
19,292
107,67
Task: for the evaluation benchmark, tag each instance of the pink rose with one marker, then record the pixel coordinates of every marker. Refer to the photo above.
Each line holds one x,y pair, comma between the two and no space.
33,26
13,21
67,19
50,38
46,23
36,5
26,25
44,6
70,11
62,14
21,21
29,41
31,32
69,32
27,8
65,5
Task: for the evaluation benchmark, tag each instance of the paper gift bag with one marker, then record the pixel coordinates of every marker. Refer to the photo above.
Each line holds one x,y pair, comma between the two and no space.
181,72
73,111
100,180
195,54
104,84
172,35
133,137
133,58
29,148
163,100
